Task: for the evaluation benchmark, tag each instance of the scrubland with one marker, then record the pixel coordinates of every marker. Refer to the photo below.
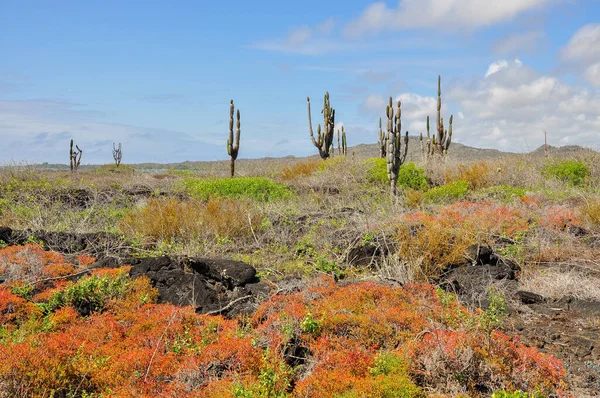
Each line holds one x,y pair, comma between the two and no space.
374,313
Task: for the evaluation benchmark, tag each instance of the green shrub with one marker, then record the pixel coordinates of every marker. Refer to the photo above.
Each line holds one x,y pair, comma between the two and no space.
389,379
377,170
413,177
257,188
572,172
91,293
409,176
449,192
504,192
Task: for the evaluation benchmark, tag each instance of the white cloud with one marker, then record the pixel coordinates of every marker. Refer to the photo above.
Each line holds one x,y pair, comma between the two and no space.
513,106
439,14
592,74
582,53
495,67
520,43
508,109
584,45
415,109
374,104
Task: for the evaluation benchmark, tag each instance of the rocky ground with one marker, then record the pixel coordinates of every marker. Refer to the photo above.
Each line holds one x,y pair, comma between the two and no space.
568,328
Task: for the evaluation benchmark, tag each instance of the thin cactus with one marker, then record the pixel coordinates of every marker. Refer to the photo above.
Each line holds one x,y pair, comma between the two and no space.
396,155
422,144
74,156
341,139
232,150
442,138
324,141
117,154
381,144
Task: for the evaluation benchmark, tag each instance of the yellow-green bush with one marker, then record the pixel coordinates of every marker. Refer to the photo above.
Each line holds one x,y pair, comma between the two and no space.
257,188
449,192
172,219
409,175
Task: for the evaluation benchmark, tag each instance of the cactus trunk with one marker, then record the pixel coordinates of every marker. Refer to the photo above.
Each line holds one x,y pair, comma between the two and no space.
442,138
74,156
396,155
324,140
233,149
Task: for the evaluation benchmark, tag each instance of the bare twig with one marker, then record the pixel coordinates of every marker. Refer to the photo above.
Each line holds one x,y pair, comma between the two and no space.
228,306
158,344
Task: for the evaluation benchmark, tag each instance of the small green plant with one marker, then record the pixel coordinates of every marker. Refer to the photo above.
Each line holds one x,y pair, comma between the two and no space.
409,175
23,290
377,170
496,312
449,192
305,248
503,193
309,324
323,264
571,172
257,188
387,363
514,250
90,293
413,177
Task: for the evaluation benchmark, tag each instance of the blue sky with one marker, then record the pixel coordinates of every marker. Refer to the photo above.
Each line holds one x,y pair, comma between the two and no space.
158,76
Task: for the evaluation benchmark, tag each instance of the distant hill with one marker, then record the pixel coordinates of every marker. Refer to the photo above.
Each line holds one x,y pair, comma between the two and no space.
562,150
457,151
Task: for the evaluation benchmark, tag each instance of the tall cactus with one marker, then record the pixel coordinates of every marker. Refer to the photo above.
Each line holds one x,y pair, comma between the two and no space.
342,145
442,139
324,141
396,155
382,143
232,150
74,156
117,154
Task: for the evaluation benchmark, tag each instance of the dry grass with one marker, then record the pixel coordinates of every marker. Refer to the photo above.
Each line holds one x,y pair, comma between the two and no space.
299,170
476,174
556,283
172,219
591,212
429,248
414,199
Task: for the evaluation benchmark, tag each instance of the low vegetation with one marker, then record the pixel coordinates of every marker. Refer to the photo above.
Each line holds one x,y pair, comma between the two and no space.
104,335
257,188
386,328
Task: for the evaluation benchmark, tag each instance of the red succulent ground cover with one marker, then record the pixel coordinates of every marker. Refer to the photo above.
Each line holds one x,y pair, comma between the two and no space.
103,335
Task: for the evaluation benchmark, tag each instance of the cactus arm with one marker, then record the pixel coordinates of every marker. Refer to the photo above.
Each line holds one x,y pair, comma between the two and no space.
233,149
310,125
71,155
449,135
237,133
403,158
